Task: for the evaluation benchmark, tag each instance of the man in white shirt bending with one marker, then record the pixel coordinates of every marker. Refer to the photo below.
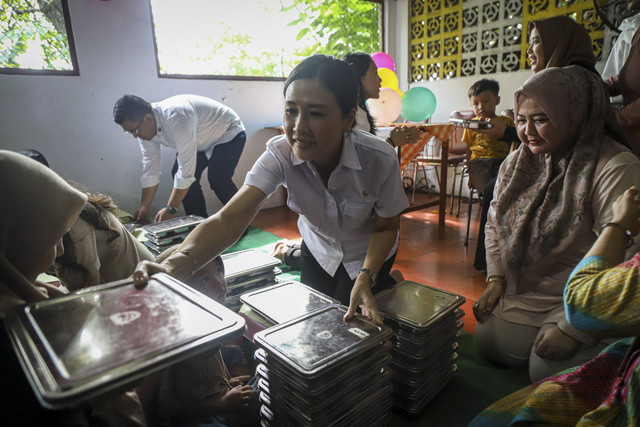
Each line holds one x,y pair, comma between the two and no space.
205,134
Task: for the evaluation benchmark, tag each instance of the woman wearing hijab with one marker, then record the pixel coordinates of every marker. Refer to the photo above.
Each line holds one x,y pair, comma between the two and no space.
553,42
552,197
557,42
41,207
98,248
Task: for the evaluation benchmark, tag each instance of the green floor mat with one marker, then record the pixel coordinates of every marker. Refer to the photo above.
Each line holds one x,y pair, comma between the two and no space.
263,241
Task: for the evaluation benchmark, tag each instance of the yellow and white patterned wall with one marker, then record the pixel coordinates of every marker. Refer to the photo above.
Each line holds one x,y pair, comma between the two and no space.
454,38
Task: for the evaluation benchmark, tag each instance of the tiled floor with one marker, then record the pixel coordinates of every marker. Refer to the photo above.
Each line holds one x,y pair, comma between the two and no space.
427,254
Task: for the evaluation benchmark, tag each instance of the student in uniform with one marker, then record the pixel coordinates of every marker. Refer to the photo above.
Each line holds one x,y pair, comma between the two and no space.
345,184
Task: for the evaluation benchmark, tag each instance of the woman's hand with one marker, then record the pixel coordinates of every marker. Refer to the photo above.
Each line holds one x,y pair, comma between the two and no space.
146,269
362,296
497,131
489,299
402,135
553,344
626,210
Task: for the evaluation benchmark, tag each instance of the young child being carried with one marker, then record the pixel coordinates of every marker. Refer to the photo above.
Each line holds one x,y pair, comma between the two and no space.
486,154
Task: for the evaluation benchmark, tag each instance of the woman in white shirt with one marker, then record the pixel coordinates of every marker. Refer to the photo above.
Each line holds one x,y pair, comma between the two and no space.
344,183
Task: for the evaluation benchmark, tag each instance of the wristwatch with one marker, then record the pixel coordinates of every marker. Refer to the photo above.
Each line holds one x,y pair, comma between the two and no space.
171,209
373,276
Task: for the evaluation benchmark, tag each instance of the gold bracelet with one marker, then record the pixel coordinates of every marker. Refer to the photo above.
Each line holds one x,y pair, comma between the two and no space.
496,278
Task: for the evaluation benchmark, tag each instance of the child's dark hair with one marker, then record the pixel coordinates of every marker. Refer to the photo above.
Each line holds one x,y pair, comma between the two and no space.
483,85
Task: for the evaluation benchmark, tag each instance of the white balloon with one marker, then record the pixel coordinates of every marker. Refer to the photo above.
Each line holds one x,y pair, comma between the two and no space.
386,108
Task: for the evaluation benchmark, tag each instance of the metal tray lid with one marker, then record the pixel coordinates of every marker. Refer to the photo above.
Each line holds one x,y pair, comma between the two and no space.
264,275
319,340
79,346
175,225
415,304
286,301
168,240
248,262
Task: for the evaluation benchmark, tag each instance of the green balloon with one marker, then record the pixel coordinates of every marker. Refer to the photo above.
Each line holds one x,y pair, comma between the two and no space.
418,104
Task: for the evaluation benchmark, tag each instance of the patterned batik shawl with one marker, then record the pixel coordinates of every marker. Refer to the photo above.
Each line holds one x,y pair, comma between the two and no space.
543,200
590,394
602,392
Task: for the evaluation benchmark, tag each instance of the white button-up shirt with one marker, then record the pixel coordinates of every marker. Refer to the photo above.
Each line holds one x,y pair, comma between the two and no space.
188,123
336,221
622,46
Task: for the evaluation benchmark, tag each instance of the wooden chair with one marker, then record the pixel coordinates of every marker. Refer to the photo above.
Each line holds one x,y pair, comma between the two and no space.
432,156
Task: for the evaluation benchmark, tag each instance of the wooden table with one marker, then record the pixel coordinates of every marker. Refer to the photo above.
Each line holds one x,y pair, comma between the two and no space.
406,153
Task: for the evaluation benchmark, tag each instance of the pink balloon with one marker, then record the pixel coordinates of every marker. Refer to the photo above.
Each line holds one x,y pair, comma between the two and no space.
386,108
382,60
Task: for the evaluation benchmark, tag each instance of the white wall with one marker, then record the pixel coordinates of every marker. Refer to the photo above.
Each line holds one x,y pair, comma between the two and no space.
69,118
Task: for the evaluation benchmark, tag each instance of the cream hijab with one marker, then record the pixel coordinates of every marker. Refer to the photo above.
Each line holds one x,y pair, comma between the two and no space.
38,208
542,201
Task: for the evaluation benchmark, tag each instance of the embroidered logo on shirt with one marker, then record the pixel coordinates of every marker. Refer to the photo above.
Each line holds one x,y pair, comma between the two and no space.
365,195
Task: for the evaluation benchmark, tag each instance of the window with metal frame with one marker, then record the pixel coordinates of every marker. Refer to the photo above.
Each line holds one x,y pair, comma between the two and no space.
36,38
258,39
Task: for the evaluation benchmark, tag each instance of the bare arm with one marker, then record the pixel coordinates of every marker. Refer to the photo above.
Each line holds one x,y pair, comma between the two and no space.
612,242
208,239
384,235
601,294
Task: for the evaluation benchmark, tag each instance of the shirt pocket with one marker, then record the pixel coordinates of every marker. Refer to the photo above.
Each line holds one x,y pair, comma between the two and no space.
356,214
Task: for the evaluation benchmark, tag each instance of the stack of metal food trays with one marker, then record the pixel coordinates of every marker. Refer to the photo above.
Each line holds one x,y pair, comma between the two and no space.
246,271
317,370
85,346
426,323
162,235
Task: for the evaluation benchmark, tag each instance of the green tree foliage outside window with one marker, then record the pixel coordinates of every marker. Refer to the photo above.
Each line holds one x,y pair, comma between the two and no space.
34,35
259,38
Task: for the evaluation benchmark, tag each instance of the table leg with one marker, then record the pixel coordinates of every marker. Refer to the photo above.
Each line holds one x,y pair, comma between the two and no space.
443,183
